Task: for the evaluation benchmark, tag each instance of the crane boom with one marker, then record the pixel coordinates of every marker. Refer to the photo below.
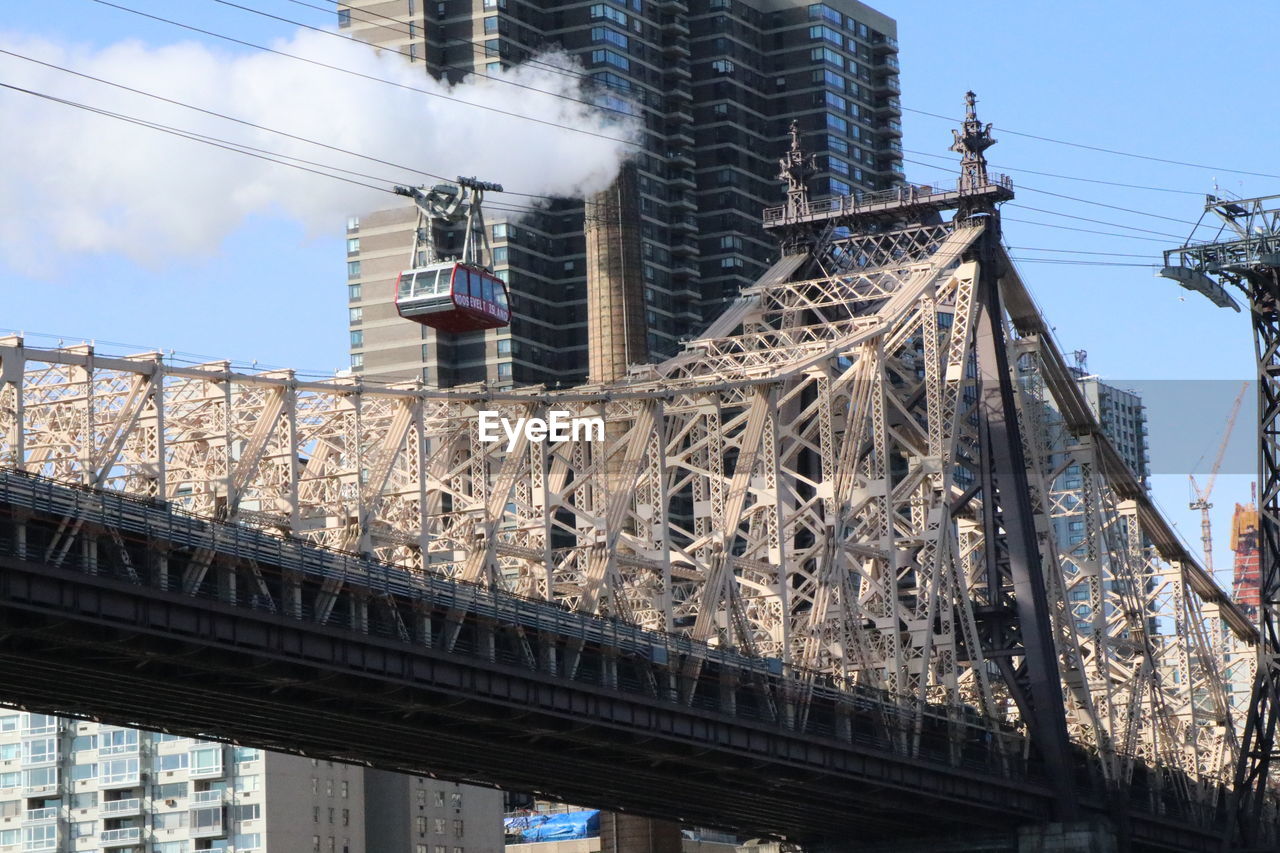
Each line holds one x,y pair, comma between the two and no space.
1200,500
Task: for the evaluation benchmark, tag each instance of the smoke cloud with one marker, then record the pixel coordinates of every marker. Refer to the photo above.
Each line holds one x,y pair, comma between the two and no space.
72,181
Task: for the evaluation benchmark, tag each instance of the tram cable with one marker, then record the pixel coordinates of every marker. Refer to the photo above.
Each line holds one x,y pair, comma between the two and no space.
396,52
1083,201
398,26
1017,169
1101,149
239,148
370,77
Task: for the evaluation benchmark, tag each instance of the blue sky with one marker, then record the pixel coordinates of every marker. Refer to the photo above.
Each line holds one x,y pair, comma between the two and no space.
1179,80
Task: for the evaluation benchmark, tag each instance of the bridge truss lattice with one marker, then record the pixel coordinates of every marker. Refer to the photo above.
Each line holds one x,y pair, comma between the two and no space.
810,481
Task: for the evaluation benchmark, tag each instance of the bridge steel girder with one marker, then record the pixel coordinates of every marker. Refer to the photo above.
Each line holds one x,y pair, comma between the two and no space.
799,486
87,639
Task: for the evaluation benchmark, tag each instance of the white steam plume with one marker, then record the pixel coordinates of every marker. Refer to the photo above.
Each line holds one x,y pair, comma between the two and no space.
71,181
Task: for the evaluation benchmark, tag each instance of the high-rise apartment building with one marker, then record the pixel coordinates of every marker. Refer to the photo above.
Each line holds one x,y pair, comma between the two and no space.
716,82
69,786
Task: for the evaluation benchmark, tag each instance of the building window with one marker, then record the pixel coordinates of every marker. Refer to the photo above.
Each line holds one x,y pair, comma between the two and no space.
437,826
456,798
457,829
344,17
9,723
207,761
819,11
44,777
491,24
346,817
315,814
504,346
118,771
500,255
821,31
609,13
40,751
355,314
249,841
81,772
353,223
330,814
722,66
328,788
827,55
353,245
353,269
357,341
40,837
599,34
422,825
40,724
354,292
504,370
346,787
118,741
610,57
439,801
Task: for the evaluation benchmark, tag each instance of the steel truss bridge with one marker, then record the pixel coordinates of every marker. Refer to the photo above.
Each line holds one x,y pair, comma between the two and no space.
814,583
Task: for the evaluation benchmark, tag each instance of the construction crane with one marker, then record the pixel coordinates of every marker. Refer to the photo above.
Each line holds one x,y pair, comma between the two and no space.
1200,498
1246,259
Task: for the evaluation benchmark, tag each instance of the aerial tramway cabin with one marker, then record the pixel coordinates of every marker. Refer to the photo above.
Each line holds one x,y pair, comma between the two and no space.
453,297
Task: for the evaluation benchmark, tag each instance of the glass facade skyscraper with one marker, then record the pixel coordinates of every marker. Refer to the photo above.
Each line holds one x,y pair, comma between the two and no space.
717,84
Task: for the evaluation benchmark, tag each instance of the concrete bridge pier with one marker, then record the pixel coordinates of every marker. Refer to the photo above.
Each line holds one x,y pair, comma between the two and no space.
627,833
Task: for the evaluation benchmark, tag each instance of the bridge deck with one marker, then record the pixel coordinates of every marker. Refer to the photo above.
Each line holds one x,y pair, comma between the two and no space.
425,675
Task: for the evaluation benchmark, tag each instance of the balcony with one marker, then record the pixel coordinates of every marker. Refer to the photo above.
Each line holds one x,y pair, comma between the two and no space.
40,815
888,83
120,808
889,105
207,797
206,822
126,837
882,43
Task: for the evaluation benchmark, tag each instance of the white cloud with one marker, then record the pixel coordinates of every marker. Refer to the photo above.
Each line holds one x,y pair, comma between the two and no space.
74,182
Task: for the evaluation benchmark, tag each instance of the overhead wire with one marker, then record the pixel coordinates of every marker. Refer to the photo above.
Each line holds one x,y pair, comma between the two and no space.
229,145
1017,169
1005,218
1083,201
283,159
1103,150
371,77
392,50
214,113
1078,252
396,25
